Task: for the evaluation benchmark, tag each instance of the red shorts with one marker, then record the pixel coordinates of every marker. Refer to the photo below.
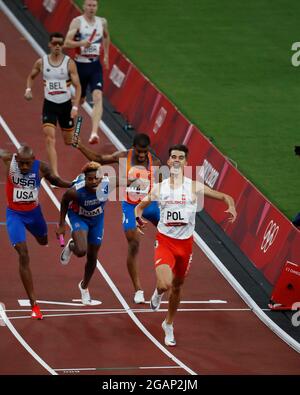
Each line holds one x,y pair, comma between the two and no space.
175,253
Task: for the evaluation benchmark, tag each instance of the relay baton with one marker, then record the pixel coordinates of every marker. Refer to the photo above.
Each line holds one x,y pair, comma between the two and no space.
61,240
92,36
77,131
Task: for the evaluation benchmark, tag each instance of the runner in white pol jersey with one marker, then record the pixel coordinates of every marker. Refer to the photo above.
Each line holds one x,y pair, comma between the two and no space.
177,209
177,198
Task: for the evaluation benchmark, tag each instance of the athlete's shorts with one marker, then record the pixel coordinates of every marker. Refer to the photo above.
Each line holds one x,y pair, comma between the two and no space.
53,112
151,213
90,75
93,226
175,253
18,221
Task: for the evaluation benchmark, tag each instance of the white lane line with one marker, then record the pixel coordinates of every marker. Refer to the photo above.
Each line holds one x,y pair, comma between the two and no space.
26,302
106,276
244,295
2,323
23,342
134,310
72,370
195,302
127,312
64,310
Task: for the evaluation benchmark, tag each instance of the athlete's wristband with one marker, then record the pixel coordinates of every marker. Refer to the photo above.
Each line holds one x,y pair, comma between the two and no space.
75,108
28,90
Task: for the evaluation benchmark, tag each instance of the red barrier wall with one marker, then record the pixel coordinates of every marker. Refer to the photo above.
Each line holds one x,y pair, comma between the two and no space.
261,231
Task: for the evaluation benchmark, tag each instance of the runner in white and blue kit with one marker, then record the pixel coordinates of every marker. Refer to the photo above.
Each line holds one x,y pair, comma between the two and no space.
84,204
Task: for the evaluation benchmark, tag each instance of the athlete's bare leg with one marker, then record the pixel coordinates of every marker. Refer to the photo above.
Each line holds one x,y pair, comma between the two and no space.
91,264
67,136
133,240
174,299
79,246
49,132
164,276
96,115
25,272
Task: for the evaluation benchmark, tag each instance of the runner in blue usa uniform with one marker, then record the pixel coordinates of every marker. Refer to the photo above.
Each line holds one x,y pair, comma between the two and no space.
84,203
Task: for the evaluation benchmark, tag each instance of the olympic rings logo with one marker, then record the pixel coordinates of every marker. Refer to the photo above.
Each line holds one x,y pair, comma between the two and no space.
269,236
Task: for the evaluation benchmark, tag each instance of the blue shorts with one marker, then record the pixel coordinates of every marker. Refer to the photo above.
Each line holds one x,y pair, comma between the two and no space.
151,213
18,221
93,226
90,75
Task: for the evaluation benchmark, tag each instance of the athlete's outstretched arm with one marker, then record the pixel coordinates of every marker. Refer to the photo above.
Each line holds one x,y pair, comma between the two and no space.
69,196
103,159
6,157
201,188
37,68
152,196
54,180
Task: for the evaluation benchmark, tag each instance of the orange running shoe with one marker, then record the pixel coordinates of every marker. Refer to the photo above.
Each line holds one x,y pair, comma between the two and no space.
36,313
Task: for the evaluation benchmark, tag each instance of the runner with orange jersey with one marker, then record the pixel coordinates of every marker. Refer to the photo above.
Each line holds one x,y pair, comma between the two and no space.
140,165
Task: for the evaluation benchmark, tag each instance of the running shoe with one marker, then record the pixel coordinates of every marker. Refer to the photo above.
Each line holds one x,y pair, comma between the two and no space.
66,253
169,334
36,313
139,297
155,300
85,295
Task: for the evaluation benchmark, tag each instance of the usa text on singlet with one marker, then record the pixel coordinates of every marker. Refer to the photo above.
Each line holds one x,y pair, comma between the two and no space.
22,189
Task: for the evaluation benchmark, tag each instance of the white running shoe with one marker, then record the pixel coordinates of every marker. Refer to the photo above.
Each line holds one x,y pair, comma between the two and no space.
139,297
85,295
66,253
169,334
155,300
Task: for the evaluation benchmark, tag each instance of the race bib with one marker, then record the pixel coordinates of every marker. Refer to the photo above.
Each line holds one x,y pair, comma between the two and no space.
175,216
56,87
91,51
25,195
92,213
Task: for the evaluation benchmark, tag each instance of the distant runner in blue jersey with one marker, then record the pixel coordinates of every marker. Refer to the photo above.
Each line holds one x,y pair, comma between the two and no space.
84,204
